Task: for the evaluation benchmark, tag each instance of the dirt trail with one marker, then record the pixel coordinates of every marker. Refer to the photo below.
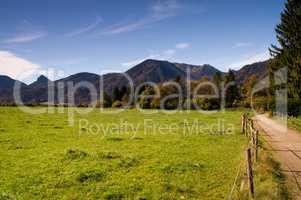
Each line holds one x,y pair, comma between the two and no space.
286,146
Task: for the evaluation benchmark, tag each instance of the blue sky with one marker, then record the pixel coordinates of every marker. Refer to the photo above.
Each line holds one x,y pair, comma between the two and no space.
101,35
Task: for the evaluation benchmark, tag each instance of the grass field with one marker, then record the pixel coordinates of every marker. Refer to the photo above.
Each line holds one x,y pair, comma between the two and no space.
41,157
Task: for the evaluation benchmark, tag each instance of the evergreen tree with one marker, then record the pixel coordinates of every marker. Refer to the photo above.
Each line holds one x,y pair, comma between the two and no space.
116,94
232,93
107,100
123,92
217,80
288,31
288,34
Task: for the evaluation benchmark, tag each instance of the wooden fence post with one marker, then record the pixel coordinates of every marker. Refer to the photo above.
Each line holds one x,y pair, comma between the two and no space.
256,145
250,174
251,128
242,124
251,123
246,125
253,145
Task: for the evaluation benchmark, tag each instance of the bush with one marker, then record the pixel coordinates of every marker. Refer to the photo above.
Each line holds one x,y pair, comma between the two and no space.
293,107
155,104
31,104
103,104
117,104
260,104
246,104
145,103
188,104
172,104
207,104
82,105
8,104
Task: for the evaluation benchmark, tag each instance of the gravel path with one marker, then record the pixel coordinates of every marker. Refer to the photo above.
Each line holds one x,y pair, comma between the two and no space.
286,146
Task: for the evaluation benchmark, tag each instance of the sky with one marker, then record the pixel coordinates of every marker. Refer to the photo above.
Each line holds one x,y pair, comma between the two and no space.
62,37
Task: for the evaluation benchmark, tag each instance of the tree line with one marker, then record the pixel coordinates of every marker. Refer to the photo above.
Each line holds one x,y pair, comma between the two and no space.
179,94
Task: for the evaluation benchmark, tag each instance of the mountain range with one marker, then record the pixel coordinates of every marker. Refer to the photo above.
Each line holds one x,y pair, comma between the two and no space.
148,71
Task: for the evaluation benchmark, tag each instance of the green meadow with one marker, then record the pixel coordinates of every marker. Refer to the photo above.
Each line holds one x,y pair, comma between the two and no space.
154,156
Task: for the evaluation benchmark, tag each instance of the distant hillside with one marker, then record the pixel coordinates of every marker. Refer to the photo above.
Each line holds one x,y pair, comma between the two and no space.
7,83
36,91
82,95
40,82
259,69
148,71
198,71
6,88
156,71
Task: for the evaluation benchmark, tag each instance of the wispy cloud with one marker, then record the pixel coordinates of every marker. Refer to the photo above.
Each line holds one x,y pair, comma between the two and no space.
182,45
251,59
25,32
160,11
25,37
163,55
124,27
15,66
85,29
242,44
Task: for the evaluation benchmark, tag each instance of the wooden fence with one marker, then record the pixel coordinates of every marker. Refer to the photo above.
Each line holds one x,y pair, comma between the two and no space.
251,157
248,129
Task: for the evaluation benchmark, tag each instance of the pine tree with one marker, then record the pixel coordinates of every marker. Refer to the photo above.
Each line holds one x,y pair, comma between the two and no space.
107,100
123,91
116,94
217,80
288,55
232,93
288,34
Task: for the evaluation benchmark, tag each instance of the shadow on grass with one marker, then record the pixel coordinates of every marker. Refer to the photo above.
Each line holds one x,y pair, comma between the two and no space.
73,154
90,175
